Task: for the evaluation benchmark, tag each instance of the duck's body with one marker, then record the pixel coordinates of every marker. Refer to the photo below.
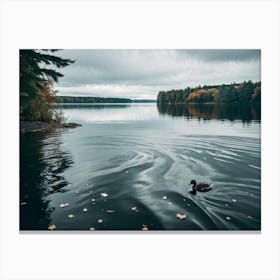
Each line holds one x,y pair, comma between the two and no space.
201,187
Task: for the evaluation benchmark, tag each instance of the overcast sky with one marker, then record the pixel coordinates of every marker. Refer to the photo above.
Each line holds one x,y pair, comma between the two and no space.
141,74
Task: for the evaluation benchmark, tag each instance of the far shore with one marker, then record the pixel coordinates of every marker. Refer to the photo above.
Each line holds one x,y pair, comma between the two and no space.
36,126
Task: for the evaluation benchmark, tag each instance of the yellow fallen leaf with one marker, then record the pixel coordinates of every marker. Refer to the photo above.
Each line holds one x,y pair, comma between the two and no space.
71,216
181,216
100,221
228,218
110,211
62,205
104,194
52,227
144,227
134,209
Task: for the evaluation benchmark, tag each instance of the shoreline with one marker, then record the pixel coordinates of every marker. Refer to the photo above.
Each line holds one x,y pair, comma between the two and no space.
37,126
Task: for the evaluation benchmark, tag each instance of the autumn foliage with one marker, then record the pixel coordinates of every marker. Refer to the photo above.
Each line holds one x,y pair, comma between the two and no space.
41,107
38,73
246,92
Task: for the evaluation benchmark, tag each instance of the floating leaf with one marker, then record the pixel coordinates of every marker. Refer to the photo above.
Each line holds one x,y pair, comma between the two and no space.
110,211
144,227
134,209
100,221
23,203
62,205
181,216
52,227
228,218
164,197
85,209
233,200
104,194
70,216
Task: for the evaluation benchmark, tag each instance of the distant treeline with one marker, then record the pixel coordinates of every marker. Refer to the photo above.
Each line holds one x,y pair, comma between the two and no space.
143,101
82,99
246,92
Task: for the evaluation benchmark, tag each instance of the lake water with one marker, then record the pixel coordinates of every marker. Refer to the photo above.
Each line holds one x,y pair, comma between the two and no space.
129,166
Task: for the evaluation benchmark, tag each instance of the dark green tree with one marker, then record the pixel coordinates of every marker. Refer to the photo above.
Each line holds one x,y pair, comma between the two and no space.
246,91
37,68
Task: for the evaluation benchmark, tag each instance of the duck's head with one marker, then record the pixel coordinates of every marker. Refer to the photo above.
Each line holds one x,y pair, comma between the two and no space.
193,182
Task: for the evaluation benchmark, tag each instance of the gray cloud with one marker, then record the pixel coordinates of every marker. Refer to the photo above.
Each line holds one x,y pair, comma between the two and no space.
142,73
222,55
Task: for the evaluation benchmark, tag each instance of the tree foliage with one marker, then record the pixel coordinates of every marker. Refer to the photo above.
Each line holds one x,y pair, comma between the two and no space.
38,72
246,92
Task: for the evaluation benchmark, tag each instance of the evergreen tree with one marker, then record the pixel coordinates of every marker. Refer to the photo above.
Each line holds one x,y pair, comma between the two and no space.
34,78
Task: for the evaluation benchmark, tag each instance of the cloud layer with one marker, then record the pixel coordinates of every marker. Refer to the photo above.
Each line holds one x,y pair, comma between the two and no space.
143,73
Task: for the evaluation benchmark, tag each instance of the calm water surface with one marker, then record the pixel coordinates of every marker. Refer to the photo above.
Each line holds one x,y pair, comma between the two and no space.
136,154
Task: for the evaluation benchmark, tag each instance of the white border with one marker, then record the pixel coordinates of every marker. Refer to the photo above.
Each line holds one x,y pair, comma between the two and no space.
158,24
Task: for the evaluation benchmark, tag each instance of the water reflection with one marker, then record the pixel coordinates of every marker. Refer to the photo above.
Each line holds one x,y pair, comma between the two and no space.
243,112
92,106
109,113
42,163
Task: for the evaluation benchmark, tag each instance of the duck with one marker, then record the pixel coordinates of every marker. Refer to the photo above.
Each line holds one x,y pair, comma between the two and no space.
201,187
